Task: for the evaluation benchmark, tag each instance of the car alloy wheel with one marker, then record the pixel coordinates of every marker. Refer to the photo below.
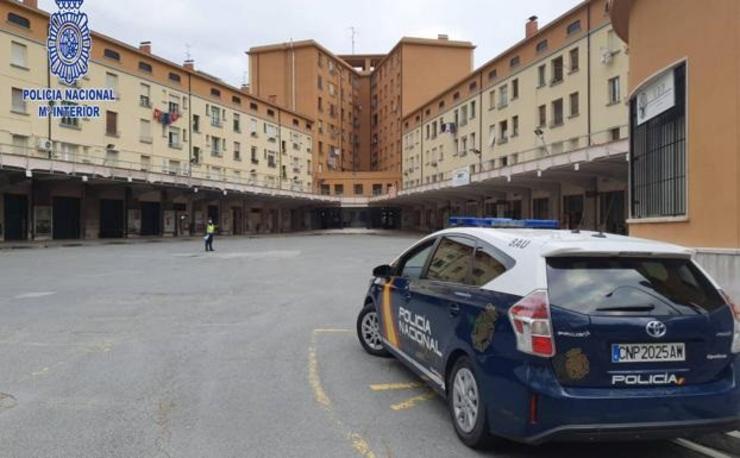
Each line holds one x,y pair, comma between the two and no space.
370,331
466,402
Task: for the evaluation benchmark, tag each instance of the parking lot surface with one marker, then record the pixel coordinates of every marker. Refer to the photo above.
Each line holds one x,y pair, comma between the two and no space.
159,349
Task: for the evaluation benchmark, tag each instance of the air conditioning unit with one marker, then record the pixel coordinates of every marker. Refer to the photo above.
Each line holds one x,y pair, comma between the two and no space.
44,144
607,56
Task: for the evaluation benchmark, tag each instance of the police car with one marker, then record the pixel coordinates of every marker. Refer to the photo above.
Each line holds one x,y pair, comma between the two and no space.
535,334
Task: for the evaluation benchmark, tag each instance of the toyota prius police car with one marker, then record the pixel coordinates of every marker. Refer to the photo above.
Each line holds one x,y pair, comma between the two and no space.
540,334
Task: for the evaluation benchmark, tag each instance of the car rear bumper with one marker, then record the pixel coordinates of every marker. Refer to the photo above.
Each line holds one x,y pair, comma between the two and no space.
635,431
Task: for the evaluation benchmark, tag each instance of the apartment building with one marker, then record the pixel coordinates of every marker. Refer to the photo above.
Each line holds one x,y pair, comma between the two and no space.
170,126
358,102
685,141
505,127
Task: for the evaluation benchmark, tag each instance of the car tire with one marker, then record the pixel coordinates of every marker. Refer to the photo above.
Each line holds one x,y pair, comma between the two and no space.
467,409
368,331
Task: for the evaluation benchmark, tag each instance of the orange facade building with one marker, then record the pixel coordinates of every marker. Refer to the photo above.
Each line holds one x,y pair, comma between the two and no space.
358,102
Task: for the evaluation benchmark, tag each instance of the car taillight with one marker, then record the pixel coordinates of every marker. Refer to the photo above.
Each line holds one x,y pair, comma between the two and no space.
530,318
736,314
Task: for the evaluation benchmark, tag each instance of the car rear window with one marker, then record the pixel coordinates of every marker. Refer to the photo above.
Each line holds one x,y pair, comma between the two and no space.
605,285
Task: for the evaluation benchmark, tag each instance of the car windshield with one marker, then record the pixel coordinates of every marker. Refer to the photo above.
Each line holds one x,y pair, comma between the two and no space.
630,285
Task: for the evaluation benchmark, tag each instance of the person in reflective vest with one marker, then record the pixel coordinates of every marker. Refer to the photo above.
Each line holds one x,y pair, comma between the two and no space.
210,232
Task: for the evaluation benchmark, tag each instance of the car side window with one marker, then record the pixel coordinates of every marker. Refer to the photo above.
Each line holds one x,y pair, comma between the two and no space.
485,267
412,266
451,261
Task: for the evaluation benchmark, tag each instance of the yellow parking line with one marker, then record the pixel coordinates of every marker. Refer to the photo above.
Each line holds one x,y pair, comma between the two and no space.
396,386
411,402
359,444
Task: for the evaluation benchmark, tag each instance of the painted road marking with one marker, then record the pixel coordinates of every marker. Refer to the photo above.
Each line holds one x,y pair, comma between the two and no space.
396,386
34,295
698,448
412,402
357,441
735,434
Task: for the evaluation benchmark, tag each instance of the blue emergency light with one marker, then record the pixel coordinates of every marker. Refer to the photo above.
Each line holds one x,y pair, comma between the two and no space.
469,221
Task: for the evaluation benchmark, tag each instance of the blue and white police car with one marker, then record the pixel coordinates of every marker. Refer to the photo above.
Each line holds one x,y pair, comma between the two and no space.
538,334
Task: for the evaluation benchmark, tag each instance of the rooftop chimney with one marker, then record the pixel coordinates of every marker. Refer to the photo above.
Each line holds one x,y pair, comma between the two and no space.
145,46
31,3
189,64
443,37
531,27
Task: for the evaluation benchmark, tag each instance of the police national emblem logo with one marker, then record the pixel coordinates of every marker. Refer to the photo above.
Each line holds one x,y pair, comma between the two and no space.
69,42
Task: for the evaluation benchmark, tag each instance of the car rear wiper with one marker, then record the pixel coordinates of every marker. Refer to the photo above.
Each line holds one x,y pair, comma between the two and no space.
627,308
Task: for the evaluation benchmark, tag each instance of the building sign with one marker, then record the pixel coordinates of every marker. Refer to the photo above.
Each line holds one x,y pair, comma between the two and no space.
68,45
461,177
656,98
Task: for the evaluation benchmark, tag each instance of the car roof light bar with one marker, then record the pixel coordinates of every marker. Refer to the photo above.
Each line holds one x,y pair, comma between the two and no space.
470,221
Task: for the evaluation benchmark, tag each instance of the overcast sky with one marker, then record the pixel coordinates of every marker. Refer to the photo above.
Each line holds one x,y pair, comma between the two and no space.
219,31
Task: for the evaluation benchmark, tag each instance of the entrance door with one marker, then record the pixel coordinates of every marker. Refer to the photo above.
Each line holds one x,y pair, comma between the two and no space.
16,217
151,223
236,221
213,215
573,211
111,219
612,218
66,218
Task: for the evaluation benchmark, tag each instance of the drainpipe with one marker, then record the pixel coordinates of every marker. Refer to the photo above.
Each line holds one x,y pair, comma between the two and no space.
190,124
588,76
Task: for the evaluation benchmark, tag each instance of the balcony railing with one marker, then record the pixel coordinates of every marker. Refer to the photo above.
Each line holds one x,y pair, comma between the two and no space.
98,163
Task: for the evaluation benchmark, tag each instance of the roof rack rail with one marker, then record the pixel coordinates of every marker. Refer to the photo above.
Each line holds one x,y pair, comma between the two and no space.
471,221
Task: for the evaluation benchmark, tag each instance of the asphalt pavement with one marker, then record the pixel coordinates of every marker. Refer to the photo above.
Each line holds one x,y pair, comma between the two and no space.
162,350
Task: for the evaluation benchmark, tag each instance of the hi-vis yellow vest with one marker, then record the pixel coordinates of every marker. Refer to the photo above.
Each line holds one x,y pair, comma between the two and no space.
211,229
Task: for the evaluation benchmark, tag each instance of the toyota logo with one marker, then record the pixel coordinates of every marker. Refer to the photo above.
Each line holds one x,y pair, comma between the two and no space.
656,329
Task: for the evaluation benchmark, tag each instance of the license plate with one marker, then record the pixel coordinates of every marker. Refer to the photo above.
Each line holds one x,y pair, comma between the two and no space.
648,353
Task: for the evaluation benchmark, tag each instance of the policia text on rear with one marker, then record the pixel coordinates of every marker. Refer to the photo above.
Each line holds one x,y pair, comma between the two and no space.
542,334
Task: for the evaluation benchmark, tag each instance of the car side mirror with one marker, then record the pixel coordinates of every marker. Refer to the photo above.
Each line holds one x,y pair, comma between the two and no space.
384,271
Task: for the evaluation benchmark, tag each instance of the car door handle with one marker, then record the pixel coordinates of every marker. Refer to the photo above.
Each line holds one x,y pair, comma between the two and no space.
463,295
454,309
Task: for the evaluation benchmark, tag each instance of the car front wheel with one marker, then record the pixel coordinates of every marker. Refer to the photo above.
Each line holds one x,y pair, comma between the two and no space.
368,331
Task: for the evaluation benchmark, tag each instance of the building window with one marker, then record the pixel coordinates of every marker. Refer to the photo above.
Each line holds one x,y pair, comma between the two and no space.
557,113
237,123
175,77
173,138
196,123
215,93
541,76
574,60
236,100
111,123
19,105
325,188
542,116
253,155
574,108
515,89
215,116
614,90
472,109
542,46
174,104
112,55
144,96
145,67
338,189
503,131
145,131
359,190
464,115
503,96
658,157
19,20
574,27
253,106
492,75
377,189
514,61
270,157
237,151
70,122
515,126
557,70
111,82
18,55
